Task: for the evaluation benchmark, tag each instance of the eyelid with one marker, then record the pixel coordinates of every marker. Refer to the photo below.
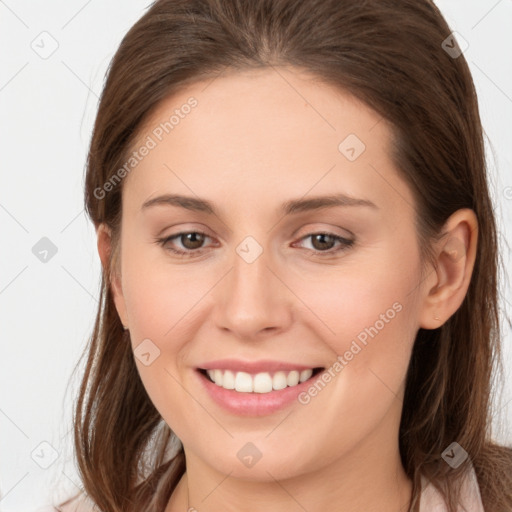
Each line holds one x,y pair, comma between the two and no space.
316,228
346,243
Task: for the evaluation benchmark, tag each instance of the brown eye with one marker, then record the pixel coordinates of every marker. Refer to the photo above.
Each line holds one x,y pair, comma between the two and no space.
323,244
323,241
191,240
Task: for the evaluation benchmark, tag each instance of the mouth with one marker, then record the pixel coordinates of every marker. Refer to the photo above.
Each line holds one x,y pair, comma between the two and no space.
258,383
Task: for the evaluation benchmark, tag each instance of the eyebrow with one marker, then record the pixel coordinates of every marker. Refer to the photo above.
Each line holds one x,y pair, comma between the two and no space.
287,208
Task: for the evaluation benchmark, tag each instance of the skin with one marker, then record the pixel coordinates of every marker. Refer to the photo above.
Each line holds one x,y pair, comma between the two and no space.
255,140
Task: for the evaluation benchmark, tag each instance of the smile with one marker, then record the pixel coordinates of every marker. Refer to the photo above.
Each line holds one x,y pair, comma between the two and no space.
263,382
257,387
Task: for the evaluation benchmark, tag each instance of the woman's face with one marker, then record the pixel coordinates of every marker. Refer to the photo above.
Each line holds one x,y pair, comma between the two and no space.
263,293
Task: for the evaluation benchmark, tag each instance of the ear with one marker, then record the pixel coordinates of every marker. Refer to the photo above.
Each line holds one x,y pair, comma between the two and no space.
446,286
104,242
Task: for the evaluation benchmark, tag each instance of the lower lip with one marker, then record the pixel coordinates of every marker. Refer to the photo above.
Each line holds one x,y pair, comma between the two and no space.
254,404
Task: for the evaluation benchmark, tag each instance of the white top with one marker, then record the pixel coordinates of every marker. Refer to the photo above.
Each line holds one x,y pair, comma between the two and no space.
470,501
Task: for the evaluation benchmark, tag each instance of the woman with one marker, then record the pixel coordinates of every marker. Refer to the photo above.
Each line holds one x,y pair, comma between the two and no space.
299,298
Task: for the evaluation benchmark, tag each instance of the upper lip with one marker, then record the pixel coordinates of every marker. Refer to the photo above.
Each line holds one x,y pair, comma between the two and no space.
254,366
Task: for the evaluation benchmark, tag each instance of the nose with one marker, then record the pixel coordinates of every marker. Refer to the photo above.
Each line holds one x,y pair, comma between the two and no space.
253,300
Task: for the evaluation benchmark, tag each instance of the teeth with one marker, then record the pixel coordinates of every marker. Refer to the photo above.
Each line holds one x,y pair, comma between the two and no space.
279,381
305,375
243,382
217,377
260,383
293,378
228,381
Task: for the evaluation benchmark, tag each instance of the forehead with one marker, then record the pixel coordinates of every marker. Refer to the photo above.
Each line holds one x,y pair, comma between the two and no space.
263,101
274,129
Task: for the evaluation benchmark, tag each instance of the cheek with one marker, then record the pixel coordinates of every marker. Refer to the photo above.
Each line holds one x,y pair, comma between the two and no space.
351,300
374,331
367,316
163,302
159,300
159,296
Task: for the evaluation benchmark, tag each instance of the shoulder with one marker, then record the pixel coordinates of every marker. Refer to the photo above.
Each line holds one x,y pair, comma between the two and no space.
470,500
78,503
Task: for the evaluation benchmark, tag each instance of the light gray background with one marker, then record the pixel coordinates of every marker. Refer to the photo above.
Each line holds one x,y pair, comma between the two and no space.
47,109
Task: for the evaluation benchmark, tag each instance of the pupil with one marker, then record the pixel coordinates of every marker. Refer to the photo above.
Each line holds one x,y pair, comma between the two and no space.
196,242
322,244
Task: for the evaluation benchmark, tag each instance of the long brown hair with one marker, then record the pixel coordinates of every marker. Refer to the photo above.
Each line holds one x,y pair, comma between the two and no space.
390,55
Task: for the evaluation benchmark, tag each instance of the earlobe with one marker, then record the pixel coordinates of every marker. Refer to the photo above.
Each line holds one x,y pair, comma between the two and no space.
449,281
104,244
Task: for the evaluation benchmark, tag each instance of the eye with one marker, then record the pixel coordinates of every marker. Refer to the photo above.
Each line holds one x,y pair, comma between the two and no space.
323,242
192,243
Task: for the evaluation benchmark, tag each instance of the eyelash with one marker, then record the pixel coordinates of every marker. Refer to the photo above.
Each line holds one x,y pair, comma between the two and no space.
346,244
